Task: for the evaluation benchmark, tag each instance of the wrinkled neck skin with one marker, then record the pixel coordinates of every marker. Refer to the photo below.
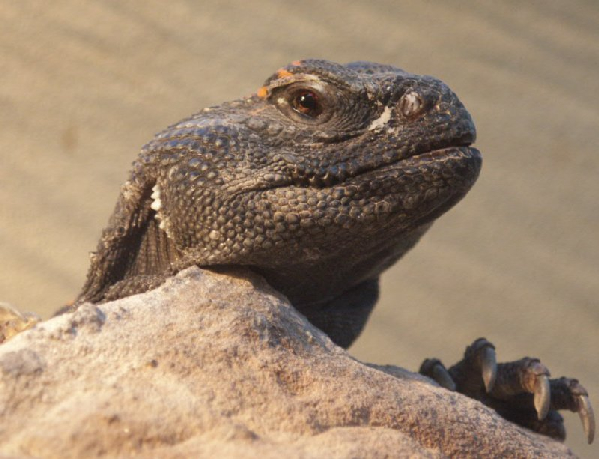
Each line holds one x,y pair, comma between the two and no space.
310,285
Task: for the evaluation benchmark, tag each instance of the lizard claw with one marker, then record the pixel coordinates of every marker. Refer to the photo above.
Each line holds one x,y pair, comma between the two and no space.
587,416
434,369
520,391
542,396
489,368
583,406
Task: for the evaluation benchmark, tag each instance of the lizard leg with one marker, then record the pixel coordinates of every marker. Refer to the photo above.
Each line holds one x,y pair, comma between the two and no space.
343,318
520,391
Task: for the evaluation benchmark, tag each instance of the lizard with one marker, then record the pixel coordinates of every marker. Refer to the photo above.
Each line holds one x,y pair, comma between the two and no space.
319,182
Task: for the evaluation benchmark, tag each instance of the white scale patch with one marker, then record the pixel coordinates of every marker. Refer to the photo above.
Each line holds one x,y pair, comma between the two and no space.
156,202
381,121
157,206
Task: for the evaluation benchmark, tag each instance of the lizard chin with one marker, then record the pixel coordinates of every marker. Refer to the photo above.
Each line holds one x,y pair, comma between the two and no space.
455,168
422,186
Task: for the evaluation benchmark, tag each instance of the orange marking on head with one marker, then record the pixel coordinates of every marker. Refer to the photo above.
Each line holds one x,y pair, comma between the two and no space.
283,73
262,92
296,63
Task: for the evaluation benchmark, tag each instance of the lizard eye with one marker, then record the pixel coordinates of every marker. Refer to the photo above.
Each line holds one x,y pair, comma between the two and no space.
306,102
311,104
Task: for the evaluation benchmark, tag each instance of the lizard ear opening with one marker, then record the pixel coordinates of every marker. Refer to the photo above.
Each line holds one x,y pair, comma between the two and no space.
132,247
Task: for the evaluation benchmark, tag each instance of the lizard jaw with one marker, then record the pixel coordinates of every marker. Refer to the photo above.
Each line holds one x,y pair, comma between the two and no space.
340,174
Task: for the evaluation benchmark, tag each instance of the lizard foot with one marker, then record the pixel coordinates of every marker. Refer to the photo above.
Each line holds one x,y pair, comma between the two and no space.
13,322
520,391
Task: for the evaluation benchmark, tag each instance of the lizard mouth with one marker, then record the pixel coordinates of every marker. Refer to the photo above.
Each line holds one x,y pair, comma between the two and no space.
456,156
437,155
457,160
458,164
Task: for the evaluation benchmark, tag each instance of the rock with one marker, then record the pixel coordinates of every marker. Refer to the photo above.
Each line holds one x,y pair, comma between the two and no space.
13,322
219,365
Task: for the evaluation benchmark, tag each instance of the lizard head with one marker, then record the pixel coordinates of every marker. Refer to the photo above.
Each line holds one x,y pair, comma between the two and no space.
321,147
323,159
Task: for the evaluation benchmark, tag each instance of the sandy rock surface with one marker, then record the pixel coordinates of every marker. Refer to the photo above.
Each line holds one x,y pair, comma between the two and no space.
211,365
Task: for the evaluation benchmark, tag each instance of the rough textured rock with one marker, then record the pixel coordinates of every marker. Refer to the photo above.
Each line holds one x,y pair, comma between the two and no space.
220,365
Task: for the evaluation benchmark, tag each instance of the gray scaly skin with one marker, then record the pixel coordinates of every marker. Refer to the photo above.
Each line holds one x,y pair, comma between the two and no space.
319,182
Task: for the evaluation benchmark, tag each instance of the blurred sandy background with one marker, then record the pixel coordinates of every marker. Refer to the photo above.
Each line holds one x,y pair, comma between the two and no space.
84,84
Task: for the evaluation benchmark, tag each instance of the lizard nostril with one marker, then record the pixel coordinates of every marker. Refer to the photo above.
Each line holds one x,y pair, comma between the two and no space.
411,104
